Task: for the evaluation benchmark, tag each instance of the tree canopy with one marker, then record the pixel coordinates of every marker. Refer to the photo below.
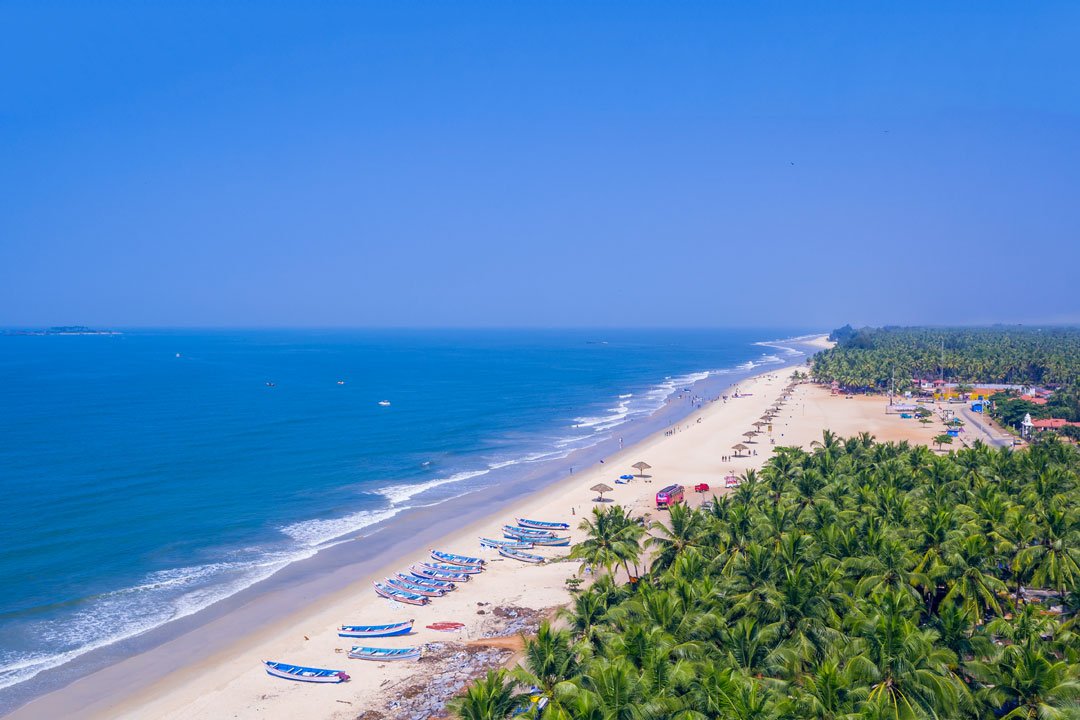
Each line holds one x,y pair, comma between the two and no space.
859,580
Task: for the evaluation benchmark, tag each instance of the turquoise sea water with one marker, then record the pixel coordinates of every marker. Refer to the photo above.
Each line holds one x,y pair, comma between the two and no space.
146,475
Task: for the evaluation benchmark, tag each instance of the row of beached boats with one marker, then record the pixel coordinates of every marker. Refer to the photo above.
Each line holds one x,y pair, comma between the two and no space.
417,586
526,535
433,579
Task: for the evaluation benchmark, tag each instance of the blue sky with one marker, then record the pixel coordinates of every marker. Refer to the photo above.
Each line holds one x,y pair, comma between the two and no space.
550,163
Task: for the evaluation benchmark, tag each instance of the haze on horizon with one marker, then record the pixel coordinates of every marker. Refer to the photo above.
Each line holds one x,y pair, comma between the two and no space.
551,164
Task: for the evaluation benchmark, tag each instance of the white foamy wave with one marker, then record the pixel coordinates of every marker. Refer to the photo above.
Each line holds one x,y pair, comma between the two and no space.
627,395
784,344
398,494
315,533
162,596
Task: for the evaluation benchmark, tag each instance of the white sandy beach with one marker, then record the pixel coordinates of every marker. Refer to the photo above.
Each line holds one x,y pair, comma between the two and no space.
231,683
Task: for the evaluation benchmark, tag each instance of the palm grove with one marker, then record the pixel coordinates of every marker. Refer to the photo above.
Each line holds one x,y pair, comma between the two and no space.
854,580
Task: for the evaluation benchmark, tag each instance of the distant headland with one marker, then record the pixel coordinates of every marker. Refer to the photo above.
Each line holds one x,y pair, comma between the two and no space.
64,330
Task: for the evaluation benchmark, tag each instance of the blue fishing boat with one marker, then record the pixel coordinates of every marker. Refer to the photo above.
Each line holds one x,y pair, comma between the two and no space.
542,525
304,674
372,653
463,569
456,559
427,572
512,544
374,631
522,556
511,530
552,542
401,596
426,582
414,588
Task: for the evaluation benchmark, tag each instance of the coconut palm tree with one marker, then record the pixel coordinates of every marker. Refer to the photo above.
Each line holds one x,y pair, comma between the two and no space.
1024,682
491,697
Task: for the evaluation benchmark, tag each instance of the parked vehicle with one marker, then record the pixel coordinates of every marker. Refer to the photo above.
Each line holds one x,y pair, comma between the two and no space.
669,496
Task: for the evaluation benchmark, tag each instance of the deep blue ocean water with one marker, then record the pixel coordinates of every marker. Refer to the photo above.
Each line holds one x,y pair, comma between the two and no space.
148,474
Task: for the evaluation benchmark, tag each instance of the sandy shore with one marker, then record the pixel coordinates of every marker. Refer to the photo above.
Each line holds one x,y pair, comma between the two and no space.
507,598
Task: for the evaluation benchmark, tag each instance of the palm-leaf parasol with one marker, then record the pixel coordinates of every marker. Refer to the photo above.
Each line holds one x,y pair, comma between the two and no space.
601,488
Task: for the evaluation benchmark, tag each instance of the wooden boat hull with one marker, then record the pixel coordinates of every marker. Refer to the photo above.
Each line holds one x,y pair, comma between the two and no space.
523,557
304,674
512,544
426,572
552,542
542,525
415,589
375,631
452,559
384,654
463,569
427,582
519,533
401,596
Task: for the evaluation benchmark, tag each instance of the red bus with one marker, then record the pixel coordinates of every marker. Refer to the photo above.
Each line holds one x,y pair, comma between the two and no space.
669,496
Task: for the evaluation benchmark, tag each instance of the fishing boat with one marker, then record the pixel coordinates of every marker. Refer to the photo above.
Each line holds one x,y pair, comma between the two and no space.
446,626
426,582
552,542
384,403
542,524
526,532
415,588
463,569
374,631
372,653
519,555
304,674
455,559
426,572
512,544
401,596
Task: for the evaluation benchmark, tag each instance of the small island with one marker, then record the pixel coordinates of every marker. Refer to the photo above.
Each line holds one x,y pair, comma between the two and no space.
62,330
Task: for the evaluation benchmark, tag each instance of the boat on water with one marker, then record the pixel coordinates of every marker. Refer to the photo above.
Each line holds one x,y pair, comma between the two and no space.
401,596
542,524
426,582
427,572
522,556
384,403
373,653
463,569
414,587
304,674
552,542
375,631
512,544
456,559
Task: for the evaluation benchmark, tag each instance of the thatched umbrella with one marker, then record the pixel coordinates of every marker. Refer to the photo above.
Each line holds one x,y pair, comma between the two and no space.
738,449
641,467
749,434
759,423
600,488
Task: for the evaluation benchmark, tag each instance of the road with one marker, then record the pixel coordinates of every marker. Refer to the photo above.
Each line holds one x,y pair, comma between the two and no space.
978,427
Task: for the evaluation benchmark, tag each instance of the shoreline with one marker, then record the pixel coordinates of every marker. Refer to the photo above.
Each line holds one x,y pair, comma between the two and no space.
280,601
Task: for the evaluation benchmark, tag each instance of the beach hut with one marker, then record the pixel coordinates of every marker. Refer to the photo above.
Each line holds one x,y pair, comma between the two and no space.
600,489
641,467
738,448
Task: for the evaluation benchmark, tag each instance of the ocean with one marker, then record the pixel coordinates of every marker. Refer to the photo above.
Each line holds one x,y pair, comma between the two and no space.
147,475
